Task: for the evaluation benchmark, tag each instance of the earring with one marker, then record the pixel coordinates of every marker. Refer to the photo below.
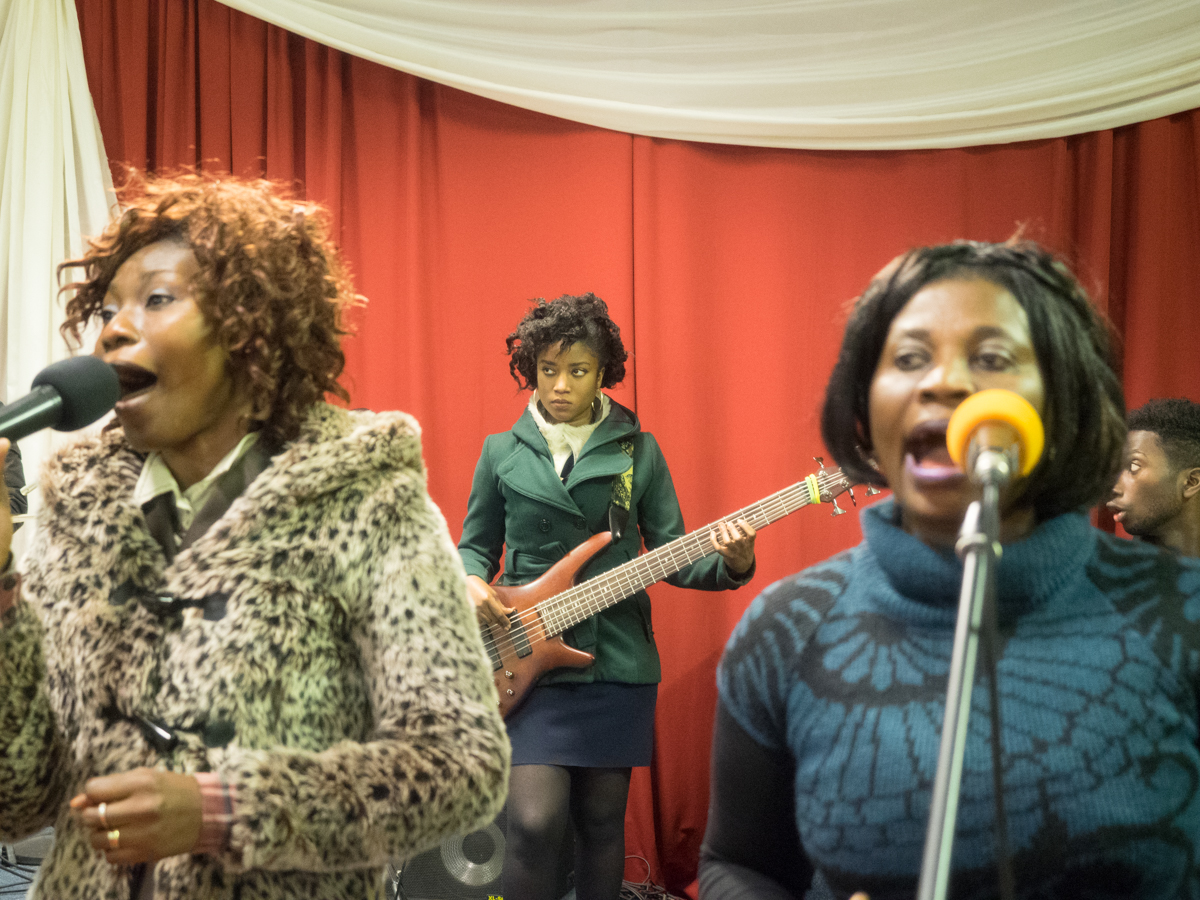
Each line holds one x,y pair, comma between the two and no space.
597,407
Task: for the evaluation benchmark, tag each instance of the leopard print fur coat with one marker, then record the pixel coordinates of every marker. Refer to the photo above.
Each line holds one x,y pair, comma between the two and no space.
315,647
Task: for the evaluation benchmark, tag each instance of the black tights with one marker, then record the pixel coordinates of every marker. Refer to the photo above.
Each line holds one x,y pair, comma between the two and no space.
543,801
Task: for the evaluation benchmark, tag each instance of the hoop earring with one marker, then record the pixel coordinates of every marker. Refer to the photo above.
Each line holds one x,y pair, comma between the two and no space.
597,407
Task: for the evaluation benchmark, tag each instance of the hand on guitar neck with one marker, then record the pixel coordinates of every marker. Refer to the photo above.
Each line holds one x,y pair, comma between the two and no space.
733,540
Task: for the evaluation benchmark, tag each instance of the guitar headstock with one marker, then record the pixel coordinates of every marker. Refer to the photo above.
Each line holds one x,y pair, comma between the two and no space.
832,483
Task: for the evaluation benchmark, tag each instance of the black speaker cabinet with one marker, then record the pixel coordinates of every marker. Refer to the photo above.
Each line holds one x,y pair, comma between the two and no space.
466,867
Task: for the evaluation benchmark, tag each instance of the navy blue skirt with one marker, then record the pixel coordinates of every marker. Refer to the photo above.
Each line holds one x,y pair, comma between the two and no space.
600,724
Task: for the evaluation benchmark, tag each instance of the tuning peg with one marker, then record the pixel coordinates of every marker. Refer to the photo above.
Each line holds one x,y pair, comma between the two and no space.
872,490
826,496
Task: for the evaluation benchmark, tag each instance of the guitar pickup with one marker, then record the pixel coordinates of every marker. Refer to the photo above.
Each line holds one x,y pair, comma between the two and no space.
519,636
493,652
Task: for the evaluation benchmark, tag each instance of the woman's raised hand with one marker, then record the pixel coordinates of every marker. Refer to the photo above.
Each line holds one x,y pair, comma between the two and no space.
141,816
735,542
488,607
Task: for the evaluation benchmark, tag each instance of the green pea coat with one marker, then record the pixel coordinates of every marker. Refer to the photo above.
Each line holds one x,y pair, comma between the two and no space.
519,508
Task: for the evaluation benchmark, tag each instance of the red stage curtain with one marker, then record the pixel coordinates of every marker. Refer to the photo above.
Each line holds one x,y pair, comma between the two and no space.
728,268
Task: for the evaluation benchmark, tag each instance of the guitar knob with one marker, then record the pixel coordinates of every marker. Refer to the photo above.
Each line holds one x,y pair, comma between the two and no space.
509,692
508,674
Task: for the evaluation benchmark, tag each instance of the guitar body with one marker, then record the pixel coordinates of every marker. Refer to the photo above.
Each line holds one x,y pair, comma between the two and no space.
525,652
545,608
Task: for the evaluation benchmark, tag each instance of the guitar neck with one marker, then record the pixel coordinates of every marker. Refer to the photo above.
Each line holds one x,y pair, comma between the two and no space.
572,606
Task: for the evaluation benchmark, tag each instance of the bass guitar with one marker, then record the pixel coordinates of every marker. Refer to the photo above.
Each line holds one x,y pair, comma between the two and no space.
547,607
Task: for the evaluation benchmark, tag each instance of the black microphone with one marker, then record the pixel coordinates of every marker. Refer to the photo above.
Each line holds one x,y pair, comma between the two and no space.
66,395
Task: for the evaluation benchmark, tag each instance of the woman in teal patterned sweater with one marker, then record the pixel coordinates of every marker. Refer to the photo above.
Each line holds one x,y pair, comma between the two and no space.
832,687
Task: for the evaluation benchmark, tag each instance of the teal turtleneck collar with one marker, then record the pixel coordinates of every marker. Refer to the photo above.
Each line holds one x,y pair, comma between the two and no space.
1031,570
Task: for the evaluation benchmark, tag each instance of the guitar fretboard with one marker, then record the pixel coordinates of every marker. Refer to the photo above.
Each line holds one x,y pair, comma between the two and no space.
572,606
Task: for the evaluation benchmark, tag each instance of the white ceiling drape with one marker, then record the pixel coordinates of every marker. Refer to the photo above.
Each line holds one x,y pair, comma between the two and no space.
55,185
826,74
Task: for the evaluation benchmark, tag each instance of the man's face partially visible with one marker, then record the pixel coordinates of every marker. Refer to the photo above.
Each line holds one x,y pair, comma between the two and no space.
1149,492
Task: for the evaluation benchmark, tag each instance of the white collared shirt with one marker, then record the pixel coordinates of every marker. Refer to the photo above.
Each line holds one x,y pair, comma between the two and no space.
156,478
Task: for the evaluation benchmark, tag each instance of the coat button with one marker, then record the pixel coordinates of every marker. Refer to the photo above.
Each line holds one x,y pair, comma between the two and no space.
580,524
544,526
219,733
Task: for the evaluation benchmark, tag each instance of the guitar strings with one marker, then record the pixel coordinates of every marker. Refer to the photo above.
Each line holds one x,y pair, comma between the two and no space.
546,610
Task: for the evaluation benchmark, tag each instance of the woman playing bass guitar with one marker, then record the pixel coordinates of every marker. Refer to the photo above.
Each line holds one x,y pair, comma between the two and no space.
539,490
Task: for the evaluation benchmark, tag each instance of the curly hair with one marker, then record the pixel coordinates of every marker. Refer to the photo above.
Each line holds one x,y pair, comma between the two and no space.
271,284
1085,404
567,320
1176,421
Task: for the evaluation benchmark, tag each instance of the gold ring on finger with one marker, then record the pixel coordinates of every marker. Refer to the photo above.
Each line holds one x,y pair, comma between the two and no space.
114,839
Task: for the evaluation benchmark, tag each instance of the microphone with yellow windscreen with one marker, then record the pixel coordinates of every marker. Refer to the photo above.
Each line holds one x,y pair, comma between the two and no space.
995,435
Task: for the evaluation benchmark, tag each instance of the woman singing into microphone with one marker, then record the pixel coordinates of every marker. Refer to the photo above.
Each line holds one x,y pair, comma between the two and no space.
539,490
242,664
833,685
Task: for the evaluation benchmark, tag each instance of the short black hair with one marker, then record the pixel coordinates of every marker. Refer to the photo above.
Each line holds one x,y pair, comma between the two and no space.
567,320
1176,421
1085,405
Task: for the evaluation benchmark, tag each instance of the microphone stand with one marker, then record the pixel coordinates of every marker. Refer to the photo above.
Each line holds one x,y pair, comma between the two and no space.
979,547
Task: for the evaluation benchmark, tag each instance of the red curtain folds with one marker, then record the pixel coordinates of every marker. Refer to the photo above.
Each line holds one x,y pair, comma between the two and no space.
728,268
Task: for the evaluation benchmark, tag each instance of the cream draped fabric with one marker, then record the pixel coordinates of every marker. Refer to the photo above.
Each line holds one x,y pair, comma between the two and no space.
831,74
55,185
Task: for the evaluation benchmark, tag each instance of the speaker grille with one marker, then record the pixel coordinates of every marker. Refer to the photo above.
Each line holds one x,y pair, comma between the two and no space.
477,858
465,867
